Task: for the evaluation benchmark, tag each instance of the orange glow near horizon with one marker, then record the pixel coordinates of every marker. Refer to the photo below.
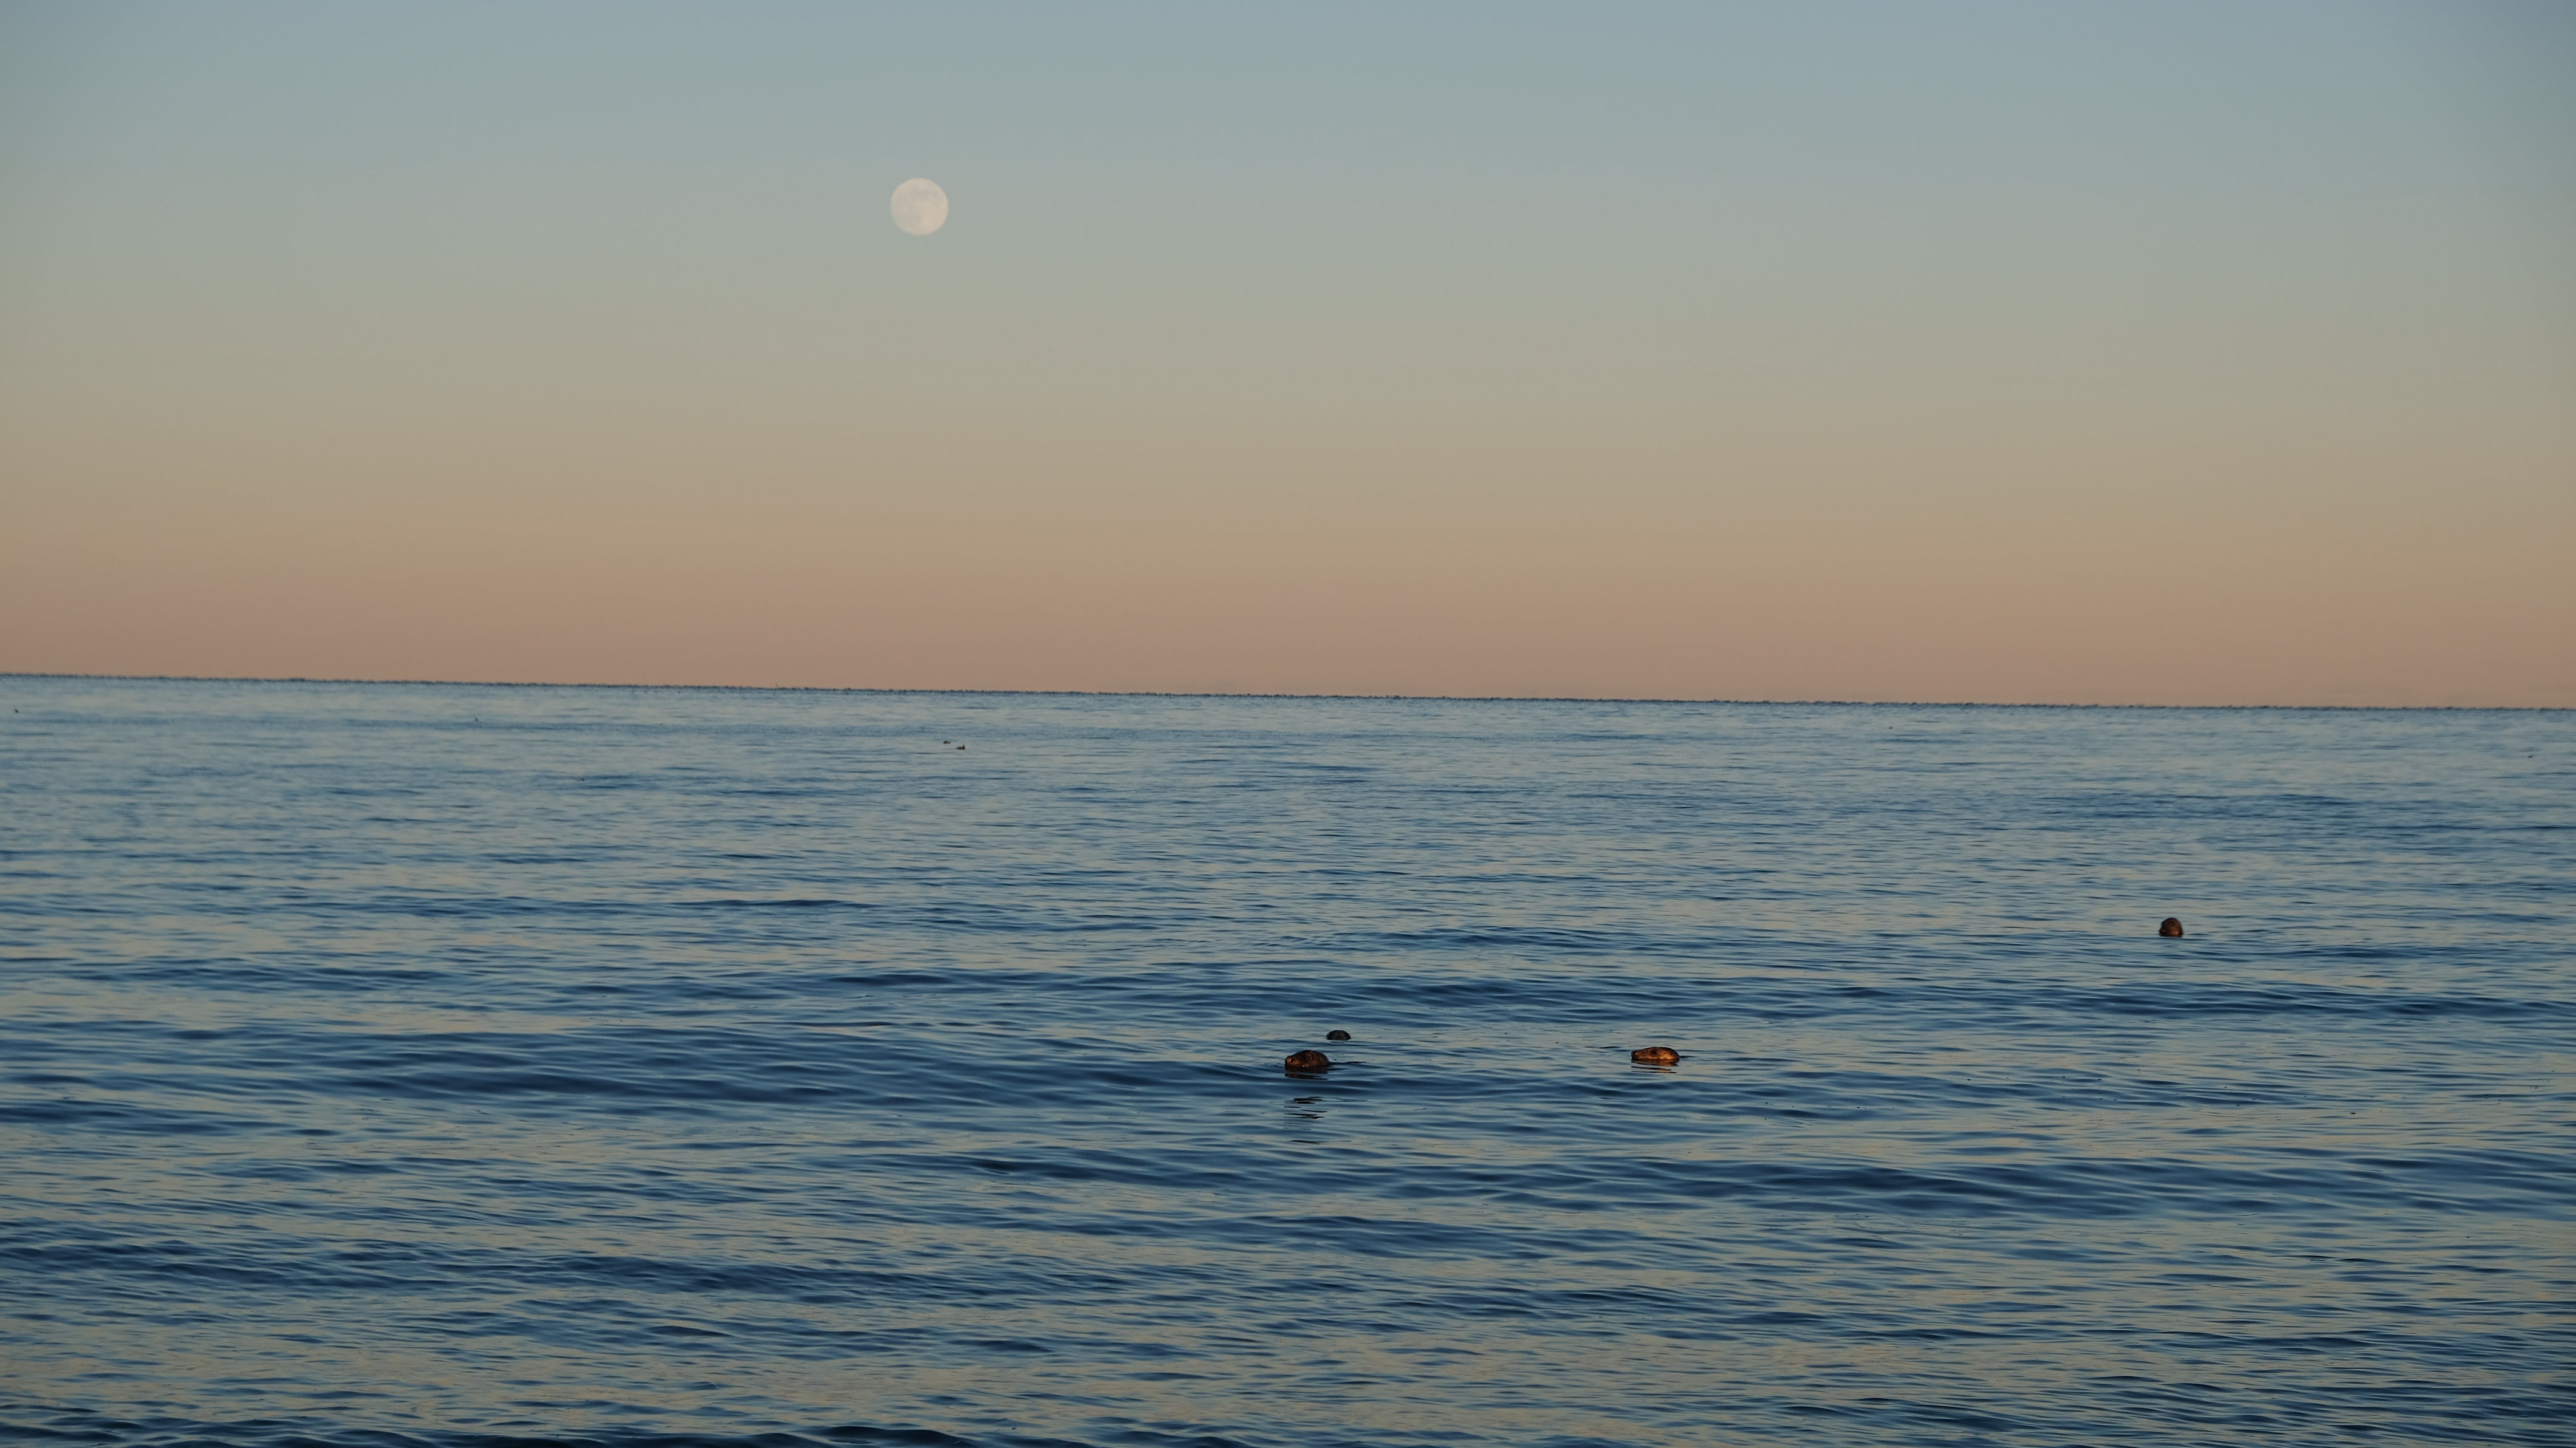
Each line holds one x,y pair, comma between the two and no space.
1173,589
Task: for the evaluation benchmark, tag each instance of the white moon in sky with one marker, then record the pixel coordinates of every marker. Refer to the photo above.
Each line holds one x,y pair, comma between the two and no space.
920,207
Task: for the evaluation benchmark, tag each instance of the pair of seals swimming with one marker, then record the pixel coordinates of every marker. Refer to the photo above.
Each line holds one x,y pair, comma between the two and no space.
1306,1063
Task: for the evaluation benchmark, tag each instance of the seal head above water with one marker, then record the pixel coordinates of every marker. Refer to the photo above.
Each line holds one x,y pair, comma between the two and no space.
1655,1056
1306,1063
1337,1035
2171,927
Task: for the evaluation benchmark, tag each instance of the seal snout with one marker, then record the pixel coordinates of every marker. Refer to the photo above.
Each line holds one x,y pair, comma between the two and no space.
2170,928
1308,1062
1655,1056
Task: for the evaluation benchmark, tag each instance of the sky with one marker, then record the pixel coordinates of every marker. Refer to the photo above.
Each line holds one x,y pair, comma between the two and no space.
2173,353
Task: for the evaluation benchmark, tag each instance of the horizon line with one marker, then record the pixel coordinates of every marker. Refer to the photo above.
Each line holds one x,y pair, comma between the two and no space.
1247,694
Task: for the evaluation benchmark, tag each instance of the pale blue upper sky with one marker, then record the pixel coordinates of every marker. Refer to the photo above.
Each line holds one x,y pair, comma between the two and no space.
1573,197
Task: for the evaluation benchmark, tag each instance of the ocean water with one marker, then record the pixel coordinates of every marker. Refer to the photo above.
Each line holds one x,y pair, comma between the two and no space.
386,1063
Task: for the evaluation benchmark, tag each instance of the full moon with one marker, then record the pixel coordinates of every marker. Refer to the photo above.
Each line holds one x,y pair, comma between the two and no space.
920,207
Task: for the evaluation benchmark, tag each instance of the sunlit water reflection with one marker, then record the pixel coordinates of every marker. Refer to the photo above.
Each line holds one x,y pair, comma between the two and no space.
452,1061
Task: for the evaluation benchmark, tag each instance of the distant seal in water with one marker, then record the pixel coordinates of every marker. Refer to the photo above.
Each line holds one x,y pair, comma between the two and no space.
1306,1061
1656,1056
1337,1035
2170,927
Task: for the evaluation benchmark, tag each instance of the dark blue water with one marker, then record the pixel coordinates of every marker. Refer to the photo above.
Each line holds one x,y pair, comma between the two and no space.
439,1062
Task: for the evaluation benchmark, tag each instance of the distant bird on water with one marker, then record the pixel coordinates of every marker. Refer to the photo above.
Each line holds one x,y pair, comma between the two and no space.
2171,927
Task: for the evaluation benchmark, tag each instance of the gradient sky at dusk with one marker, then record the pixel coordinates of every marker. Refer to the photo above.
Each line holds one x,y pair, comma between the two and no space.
2174,353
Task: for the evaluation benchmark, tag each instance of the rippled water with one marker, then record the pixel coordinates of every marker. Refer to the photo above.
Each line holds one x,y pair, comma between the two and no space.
445,1061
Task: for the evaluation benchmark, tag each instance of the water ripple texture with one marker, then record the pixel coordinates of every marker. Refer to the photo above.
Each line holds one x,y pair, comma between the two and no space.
435,1065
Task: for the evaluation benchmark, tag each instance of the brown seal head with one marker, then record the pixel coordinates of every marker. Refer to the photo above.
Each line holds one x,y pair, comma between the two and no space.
1305,1062
2171,927
1337,1035
1656,1056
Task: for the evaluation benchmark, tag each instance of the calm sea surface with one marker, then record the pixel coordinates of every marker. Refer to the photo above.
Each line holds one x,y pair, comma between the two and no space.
388,1061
